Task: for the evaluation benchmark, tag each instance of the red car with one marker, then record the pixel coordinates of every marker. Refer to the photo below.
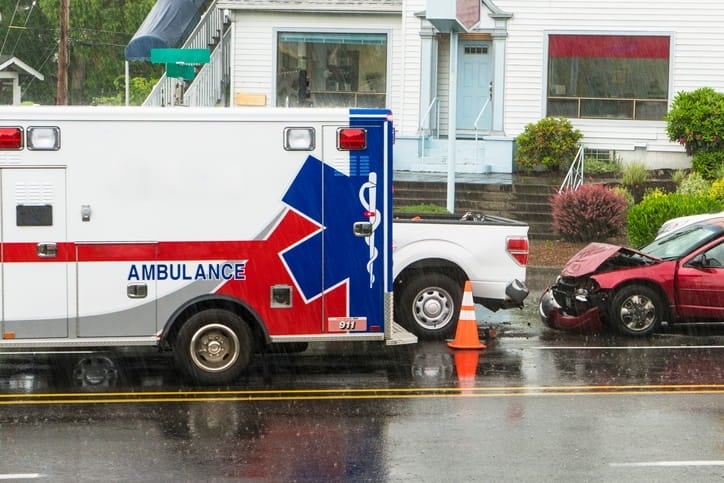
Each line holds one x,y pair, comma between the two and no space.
677,278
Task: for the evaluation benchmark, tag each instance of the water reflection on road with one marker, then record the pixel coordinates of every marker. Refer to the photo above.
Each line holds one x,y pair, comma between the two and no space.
552,405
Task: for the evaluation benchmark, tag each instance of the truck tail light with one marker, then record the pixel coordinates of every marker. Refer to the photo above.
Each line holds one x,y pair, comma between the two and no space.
11,138
518,249
43,138
351,139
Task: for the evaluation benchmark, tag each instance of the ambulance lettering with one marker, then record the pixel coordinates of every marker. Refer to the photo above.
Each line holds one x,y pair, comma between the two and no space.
184,271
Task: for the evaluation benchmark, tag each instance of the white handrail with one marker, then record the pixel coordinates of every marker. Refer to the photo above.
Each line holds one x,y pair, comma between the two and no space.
423,122
427,114
574,177
475,126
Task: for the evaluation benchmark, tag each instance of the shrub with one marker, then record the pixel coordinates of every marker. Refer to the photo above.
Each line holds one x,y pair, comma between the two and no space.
634,176
593,212
598,167
622,191
707,163
696,120
645,218
694,184
678,176
551,143
717,189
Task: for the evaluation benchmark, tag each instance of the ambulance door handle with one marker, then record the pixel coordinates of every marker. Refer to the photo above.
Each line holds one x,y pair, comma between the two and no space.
137,290
47,250
363,228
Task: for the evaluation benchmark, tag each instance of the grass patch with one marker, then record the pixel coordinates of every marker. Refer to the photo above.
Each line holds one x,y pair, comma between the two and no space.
424,208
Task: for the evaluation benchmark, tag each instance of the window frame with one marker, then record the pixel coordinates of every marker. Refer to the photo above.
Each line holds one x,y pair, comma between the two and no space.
277,33
631,103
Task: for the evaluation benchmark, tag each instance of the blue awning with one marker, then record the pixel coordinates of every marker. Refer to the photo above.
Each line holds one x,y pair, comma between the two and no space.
167,24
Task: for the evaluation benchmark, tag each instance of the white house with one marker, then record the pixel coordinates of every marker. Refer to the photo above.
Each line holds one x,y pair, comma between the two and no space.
476,71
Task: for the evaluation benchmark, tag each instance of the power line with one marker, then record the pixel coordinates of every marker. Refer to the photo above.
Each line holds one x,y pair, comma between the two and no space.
27,17
15,10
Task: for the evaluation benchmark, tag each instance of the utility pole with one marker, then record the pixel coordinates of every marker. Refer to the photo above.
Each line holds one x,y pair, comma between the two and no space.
61,97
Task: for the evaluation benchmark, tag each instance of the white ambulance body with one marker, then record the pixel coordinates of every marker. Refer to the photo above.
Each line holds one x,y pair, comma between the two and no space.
213,232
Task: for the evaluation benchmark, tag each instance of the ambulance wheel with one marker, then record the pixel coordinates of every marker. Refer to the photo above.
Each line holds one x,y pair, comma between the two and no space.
428,305
213,347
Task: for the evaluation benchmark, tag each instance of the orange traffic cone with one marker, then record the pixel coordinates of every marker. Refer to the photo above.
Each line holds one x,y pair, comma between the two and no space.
466,335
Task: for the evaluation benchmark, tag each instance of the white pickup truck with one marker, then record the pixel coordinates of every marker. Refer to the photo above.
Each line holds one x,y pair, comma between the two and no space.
433,257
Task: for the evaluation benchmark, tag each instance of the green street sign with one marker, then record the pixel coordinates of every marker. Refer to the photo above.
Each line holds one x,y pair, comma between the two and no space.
180,56
177,71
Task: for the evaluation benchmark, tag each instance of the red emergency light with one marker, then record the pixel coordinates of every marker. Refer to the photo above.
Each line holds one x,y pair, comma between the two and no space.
351,138
11,138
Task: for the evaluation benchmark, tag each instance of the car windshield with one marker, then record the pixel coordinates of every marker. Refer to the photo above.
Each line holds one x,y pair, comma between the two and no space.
680,242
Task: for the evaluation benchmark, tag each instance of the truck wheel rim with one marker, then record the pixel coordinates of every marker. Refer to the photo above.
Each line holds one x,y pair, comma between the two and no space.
433,308
214,347
638,313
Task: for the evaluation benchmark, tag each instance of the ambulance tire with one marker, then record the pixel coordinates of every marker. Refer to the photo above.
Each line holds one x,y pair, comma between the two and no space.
213,347
428,305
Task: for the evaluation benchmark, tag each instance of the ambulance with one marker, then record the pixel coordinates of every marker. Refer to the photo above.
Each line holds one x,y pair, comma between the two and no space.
213,233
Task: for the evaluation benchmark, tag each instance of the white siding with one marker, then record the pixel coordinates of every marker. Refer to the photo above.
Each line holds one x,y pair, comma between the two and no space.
254,57
696,60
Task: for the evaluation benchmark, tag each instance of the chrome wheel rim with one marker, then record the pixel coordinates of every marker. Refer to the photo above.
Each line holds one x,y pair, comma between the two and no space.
637,313
214,347
433,308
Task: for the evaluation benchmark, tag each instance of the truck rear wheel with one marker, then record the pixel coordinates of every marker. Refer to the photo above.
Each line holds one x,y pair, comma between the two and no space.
429,305
213,347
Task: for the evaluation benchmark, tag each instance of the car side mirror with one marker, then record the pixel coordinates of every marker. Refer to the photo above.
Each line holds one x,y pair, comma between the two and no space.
698,261
701,261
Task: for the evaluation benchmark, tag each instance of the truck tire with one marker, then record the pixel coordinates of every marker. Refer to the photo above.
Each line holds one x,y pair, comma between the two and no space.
428,305
213,347
636,310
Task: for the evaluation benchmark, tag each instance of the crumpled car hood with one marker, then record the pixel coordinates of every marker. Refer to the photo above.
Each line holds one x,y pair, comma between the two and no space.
592,256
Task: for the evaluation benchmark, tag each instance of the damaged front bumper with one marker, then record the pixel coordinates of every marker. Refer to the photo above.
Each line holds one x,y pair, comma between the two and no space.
552,315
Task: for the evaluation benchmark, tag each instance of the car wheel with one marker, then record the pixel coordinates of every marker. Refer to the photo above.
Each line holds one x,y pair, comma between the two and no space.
636,310
213,346
429,305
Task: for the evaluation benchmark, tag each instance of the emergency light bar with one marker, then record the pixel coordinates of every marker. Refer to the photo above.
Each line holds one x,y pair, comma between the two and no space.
11,138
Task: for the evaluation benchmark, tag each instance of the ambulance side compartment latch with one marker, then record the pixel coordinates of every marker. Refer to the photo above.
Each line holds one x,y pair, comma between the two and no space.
137,290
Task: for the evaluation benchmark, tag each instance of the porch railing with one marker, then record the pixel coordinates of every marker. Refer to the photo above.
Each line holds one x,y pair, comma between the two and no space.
425,121
209,33
574,177
475,125
210,87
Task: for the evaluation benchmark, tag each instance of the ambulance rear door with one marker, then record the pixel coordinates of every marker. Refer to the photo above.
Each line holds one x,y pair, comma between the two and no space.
35,255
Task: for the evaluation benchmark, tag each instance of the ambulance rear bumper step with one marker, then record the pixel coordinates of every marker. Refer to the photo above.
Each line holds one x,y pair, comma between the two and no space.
400,336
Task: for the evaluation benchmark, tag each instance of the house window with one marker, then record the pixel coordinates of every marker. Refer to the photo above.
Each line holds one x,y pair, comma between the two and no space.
331,69
608,76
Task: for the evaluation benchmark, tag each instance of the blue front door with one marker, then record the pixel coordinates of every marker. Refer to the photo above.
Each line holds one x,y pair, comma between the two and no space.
473,85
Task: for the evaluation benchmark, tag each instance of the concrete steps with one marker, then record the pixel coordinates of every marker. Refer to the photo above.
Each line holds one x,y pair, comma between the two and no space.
526,199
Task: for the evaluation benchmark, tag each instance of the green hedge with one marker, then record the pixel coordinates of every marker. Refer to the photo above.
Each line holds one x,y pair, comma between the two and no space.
645,218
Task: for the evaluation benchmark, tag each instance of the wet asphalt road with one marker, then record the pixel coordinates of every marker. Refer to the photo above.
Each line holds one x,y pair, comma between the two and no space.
535,405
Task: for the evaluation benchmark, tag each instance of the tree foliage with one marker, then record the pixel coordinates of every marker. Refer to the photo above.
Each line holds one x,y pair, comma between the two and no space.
99,31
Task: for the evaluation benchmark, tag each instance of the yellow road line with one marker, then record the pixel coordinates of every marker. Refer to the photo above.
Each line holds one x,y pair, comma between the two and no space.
352,394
